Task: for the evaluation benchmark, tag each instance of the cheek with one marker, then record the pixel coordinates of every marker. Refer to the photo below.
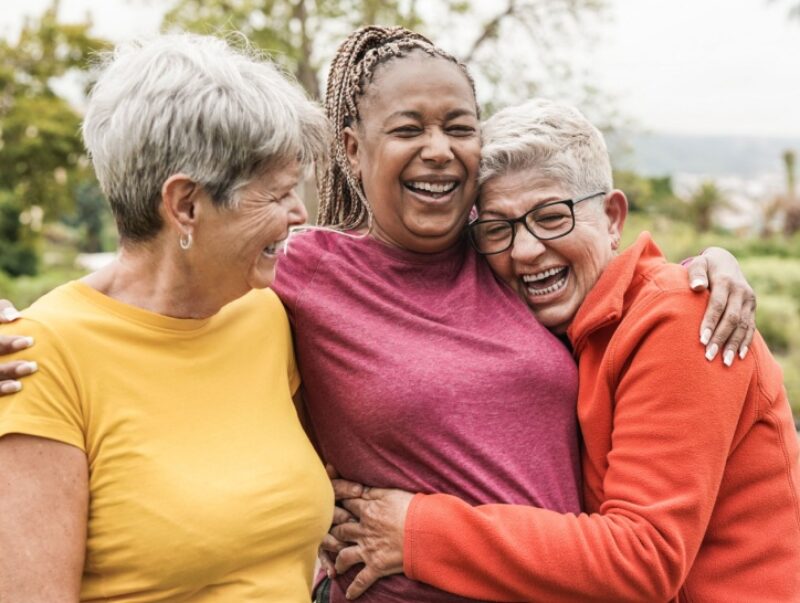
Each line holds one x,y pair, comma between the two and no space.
503,267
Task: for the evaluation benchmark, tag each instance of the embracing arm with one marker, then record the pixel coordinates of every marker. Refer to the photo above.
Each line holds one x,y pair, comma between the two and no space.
43,509
668,454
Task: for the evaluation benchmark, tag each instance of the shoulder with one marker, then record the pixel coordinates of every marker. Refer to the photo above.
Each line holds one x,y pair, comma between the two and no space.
303,254
662,291
49,319
661,319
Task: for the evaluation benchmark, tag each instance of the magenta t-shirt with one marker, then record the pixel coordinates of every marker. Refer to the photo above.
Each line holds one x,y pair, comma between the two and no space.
423,372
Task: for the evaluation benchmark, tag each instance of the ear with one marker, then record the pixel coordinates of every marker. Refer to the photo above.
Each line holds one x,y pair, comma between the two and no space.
351,144
616,210
179,202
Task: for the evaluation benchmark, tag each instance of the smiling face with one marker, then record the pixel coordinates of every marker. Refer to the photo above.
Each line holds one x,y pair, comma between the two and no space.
553,277
416,150
239,245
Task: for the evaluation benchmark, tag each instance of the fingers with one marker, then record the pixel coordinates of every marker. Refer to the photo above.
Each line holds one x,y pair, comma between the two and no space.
331,544
14,343
729,322
343,489
347,558
331,471
698,273
363,580
9,371
8,313
347,532
341,515
326,564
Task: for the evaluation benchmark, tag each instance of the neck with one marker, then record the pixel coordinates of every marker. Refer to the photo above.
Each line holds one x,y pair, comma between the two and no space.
158,279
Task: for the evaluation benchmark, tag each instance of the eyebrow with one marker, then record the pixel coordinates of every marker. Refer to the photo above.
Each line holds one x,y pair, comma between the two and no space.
455,113
501,216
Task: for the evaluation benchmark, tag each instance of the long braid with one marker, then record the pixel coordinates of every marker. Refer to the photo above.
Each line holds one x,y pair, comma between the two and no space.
342,202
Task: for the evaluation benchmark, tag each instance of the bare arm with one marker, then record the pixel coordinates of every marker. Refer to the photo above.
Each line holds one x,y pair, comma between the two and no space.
44,497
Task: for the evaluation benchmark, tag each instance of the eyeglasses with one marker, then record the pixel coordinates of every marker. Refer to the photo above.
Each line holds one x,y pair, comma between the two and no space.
546,222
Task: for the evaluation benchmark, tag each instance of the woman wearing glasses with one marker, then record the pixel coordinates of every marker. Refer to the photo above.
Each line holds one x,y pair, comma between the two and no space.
691,469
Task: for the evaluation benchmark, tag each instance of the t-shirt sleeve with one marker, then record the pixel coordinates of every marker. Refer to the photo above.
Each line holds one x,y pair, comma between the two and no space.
48,405
296,268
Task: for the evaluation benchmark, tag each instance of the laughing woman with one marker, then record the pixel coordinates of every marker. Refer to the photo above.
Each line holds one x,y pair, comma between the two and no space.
691,469
151,460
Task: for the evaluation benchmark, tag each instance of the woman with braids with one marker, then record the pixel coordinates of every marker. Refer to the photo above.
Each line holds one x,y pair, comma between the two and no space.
422,371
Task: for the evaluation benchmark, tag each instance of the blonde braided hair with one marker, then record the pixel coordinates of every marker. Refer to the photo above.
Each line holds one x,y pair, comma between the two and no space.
342,202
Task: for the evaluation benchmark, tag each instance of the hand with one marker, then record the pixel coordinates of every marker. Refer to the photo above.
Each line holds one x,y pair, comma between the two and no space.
330,547
10,371
729,322
377,537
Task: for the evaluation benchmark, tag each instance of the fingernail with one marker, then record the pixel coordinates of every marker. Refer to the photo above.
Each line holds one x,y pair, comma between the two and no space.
9,314
743,352
20,343
27,368
711,352
705,336
727,358
10,387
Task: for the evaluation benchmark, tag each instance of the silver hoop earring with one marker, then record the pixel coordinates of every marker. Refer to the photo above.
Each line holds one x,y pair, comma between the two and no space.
186,241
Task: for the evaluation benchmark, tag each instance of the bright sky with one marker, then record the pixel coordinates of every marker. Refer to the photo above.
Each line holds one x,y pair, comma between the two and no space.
683,66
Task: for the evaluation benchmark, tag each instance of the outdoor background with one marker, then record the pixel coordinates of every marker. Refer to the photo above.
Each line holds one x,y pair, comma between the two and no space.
699,99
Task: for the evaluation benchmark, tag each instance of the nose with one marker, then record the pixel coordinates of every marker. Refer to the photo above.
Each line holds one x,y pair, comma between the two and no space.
437,147
298,214
526,247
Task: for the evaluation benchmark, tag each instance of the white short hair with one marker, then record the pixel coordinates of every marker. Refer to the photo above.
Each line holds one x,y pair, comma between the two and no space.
554,139
191,104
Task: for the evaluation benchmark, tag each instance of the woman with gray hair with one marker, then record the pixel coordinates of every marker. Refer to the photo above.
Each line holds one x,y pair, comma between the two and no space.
150,458
691,470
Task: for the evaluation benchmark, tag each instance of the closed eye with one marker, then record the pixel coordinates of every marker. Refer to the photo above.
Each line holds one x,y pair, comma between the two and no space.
407,130
461,130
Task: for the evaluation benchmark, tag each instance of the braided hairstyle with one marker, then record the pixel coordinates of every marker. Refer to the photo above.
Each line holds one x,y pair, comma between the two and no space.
342,202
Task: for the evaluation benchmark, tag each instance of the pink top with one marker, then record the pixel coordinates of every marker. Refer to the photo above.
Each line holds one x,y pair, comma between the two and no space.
423,372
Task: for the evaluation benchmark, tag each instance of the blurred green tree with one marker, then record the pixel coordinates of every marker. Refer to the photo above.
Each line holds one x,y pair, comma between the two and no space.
41,155
302,34
704,203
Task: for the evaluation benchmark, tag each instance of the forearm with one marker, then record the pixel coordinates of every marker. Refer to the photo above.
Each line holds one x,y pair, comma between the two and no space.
517,553
641,543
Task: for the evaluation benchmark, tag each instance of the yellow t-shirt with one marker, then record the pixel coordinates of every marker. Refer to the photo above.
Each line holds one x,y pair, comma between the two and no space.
203,486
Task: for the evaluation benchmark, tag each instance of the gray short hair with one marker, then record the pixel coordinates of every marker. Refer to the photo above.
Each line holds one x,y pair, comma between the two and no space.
197,105
552,138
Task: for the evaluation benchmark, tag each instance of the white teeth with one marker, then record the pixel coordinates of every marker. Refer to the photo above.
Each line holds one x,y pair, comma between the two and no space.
275,247
550,289
532,278
431,187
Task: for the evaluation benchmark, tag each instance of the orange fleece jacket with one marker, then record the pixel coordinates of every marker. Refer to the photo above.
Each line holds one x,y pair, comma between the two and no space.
691,470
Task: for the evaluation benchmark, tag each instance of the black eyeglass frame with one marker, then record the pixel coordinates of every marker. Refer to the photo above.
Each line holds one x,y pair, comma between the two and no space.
523,219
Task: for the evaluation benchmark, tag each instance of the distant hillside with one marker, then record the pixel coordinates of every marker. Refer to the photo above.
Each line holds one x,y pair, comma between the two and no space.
662,154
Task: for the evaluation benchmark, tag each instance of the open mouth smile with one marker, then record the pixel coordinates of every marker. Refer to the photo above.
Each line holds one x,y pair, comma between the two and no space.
274,248
545,282
433,190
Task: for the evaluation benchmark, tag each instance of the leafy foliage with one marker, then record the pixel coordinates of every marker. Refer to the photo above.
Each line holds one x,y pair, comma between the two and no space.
41,154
